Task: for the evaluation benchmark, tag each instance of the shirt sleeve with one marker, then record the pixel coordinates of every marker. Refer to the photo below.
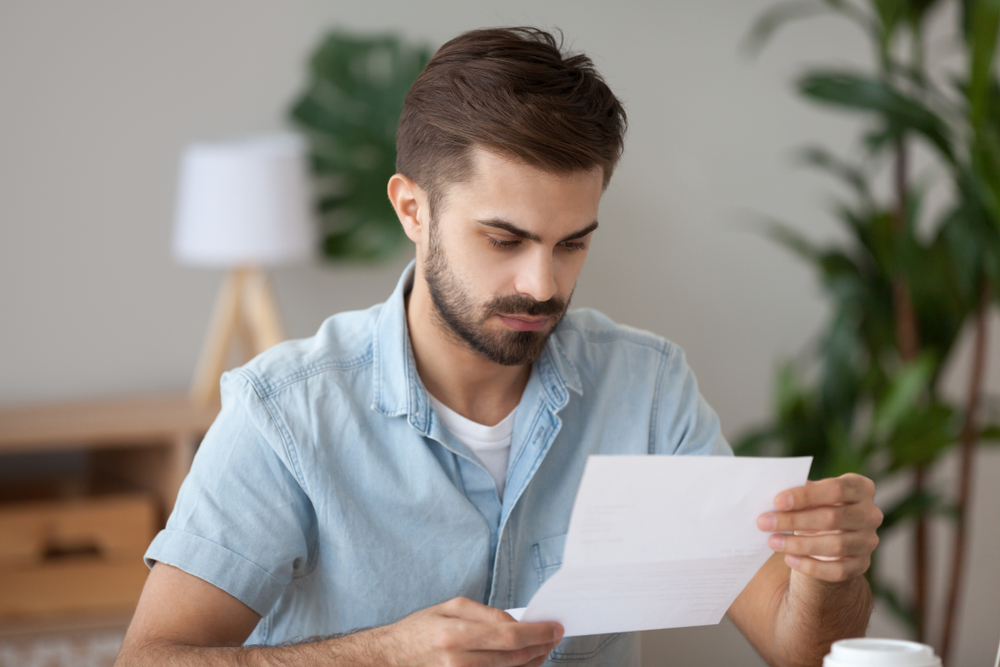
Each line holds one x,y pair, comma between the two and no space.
242,521
684,423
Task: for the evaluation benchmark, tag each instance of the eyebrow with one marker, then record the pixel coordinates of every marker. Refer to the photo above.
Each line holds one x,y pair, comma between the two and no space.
497,223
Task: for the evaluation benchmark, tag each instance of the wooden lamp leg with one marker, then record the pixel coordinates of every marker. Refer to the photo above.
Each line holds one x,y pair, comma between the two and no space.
244,342
262,312
245,314
215,350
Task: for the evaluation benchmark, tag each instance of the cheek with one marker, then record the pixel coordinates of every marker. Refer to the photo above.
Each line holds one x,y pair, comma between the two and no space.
568,270
481,275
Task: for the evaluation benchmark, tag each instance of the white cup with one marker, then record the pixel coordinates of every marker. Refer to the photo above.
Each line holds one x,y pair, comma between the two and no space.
880,653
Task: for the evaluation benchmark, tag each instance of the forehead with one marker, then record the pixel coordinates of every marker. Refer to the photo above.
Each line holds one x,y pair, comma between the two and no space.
501,187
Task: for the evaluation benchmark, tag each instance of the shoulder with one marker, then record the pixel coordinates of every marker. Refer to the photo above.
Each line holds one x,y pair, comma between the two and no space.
587,333
343,344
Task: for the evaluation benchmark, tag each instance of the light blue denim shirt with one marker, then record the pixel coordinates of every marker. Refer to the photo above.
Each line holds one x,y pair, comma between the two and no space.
328,497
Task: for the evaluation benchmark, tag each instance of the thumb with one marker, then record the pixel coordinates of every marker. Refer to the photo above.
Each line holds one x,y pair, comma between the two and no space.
468,610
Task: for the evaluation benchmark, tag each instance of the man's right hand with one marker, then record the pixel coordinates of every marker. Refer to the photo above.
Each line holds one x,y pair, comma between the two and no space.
463,632
182,620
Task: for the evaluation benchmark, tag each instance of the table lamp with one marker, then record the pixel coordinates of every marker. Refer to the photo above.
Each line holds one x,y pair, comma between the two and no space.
242,206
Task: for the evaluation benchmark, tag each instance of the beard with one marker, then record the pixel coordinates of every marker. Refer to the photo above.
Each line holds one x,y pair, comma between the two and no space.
463,319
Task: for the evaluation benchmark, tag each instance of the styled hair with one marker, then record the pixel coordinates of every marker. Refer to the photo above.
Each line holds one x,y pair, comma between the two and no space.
514,92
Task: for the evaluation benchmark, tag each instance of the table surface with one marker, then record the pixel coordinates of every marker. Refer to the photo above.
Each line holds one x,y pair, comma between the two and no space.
101,423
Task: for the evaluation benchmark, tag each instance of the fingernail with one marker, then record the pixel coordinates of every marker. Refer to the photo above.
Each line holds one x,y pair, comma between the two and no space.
783,501
791,561
767,522
776,542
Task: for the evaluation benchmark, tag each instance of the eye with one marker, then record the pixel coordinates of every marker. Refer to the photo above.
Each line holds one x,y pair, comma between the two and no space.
503,245
574,245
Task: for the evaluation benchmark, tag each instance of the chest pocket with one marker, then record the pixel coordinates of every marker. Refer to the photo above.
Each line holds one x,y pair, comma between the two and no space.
547,556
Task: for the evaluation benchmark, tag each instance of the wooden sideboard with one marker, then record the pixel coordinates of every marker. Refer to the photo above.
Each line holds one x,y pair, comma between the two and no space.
72,548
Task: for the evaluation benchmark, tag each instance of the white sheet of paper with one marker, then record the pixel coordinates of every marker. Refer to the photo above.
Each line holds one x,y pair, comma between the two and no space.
661,541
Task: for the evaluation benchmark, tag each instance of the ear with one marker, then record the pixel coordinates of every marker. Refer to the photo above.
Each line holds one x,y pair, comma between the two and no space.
411,204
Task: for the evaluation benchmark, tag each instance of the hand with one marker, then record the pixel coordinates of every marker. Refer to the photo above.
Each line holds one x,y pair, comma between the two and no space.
833,523
466,633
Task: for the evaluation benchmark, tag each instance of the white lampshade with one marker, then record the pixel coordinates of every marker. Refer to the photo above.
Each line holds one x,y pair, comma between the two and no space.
245,203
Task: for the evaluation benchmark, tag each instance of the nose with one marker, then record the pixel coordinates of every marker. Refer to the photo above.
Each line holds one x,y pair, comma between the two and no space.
537,277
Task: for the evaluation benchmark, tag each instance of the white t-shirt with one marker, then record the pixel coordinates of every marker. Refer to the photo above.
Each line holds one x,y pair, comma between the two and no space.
490,443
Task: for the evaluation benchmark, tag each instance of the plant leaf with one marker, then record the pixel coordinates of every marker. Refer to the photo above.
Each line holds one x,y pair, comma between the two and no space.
922,435
912,505
990,435
349,111
861,92
905,390
773,18
792,240
984,23
854,177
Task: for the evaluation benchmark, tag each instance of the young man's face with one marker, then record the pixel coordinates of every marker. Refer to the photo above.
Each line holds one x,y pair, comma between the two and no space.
502,257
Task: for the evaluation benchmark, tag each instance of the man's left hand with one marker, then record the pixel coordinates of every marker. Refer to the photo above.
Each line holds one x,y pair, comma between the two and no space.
833,524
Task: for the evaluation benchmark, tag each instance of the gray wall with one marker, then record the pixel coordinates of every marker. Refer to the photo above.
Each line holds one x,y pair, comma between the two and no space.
98,98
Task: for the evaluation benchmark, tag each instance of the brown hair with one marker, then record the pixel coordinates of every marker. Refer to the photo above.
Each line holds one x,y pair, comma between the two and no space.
511,91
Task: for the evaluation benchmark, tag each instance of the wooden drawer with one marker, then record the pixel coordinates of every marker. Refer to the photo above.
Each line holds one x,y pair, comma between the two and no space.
72,556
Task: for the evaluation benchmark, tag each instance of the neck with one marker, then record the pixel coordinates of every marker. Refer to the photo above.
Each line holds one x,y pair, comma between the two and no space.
471,385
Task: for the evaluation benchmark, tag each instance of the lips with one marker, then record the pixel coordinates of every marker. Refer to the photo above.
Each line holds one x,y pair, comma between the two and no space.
524,323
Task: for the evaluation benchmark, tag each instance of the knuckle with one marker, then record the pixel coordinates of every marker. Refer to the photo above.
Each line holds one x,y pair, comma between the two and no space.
873,542
828,517
452,605
508,636
878,517
446,638
838,548
523,655
838,493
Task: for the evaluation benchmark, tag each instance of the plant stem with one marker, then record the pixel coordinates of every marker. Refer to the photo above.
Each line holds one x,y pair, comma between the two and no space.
908,342
907,336
970,436
920,559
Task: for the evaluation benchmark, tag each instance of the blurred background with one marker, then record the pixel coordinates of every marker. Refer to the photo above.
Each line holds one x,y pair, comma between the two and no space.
99,100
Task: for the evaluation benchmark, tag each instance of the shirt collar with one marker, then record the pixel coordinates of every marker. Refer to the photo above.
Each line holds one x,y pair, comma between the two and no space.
398,389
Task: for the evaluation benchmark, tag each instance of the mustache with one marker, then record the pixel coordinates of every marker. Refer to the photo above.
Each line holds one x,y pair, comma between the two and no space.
514,304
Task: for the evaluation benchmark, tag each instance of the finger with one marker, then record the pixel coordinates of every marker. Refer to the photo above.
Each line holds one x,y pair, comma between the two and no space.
844,517
853,543
848,488
832,571
477,636
537,662
469,610
527,656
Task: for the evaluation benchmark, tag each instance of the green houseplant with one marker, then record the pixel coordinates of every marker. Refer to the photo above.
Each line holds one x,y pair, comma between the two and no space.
867,396
349,112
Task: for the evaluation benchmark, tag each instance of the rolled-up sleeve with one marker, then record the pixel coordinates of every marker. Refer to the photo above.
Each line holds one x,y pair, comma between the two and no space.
242,520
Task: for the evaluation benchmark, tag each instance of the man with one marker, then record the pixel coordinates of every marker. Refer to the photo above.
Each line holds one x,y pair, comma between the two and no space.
377,494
